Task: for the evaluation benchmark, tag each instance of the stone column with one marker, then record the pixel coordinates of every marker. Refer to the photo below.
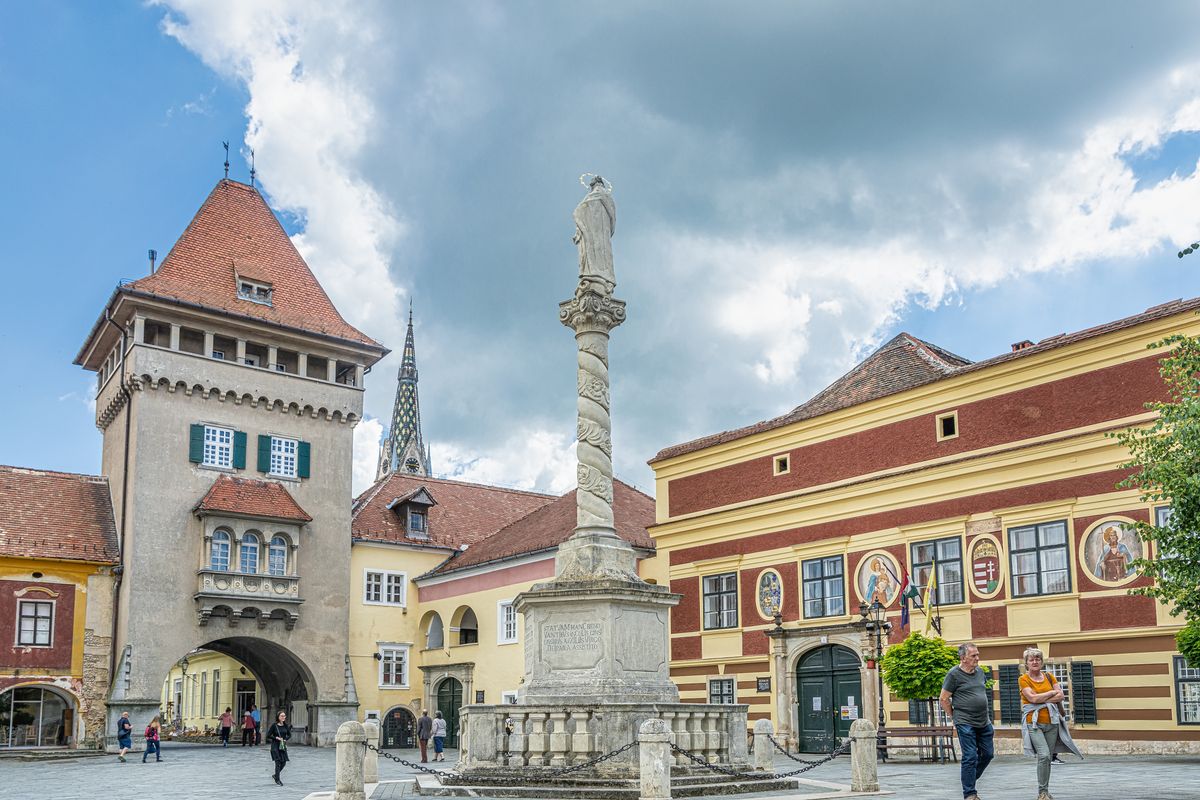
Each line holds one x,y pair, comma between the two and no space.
864,773
762,745
208,344
783,699
371,757
654,748
351,741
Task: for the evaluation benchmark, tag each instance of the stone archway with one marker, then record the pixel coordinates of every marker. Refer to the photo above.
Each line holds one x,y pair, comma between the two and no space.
38,715
286,683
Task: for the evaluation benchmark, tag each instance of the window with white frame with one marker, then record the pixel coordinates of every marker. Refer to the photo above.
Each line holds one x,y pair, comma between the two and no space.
203,692
384,587
506,622
255,291
277,556
721,690
1040,559
393,666
248,554
35,623
218,447
219,555
1061,670
216,695
508,698
283,457
720,601
1187,692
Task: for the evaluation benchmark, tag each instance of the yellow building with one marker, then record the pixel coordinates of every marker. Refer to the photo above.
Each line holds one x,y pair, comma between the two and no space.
1002,473
199,689
57,553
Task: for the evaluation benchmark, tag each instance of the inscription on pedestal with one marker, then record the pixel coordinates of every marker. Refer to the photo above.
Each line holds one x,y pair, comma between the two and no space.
572,645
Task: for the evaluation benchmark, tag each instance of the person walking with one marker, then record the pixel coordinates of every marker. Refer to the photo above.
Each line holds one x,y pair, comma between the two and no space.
247,728
153,743
1043,725
439,736
257,715
964,698
226,725
424,731
277,737
124,735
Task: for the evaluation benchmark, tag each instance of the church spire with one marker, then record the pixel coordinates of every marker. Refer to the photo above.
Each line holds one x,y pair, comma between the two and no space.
404,449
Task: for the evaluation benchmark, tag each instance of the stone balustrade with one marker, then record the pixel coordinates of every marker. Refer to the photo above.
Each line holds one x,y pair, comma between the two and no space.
266,597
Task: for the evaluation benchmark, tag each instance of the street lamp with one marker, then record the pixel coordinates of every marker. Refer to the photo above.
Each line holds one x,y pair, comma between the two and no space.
875,619
183,663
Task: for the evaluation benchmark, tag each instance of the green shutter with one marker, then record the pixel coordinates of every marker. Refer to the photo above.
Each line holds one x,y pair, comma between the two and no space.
1010,694
1083,691
196,444
303,459
239,449
264,453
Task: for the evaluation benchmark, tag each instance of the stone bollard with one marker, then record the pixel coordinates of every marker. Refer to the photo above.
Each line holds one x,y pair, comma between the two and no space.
351,741
654,748
762,745
370,757
864,772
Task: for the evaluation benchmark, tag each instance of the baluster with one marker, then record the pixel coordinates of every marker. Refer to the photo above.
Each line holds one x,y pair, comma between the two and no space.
537,739
560,740
581,739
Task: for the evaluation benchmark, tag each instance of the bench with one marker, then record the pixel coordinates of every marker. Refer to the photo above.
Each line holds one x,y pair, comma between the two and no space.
934,742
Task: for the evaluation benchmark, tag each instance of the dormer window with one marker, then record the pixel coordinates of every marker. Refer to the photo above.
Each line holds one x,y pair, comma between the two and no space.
255,291
417,525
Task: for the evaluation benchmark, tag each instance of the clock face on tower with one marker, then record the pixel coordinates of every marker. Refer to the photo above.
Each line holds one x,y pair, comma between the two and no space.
412,465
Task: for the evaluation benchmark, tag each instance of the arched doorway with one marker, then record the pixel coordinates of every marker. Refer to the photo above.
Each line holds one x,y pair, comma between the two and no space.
399,729
828,681
449,701
36,716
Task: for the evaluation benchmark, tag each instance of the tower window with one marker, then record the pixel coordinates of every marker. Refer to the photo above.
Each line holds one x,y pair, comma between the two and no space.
255,292
782,465
417,525
947,426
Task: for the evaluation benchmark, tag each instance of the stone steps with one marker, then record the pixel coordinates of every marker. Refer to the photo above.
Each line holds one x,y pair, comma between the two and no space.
598,789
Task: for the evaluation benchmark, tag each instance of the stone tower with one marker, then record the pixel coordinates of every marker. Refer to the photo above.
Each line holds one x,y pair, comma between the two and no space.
404,448
228,387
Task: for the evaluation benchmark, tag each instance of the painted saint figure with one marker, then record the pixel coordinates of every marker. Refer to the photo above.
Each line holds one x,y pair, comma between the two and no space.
1115,561
595,221
880,588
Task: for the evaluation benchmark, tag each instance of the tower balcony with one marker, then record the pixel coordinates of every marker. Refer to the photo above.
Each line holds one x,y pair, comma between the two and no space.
240,596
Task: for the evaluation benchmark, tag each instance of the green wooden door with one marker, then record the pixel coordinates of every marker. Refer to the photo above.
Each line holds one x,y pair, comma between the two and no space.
449,696
828,680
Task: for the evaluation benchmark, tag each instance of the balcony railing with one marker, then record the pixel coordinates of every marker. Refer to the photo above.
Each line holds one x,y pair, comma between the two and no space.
248,596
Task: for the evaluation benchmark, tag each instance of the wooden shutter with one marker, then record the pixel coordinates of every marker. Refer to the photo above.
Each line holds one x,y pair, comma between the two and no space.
196,444
303,459
1083,691
239,449
918,712
264,453
1010,694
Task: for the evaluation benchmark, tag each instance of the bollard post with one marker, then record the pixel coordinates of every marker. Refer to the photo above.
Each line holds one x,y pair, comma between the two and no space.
864,771
370,757
654,752
762,745
351,741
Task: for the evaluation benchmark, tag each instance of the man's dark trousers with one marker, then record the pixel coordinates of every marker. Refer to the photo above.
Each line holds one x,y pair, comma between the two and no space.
977,752
424,750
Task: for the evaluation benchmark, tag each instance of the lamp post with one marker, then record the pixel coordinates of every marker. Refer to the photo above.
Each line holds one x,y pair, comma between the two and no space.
183,664
875,618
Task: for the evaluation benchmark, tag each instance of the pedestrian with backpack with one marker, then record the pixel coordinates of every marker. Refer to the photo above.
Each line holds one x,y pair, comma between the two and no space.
124,735
153,743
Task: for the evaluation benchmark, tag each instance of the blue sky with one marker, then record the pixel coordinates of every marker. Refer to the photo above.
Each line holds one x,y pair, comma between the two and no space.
795,184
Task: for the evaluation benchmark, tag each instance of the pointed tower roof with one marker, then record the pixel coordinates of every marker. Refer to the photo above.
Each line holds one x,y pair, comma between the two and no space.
404,449
234,237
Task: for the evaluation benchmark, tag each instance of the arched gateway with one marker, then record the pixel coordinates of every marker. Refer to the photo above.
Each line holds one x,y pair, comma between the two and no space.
829,685
228,389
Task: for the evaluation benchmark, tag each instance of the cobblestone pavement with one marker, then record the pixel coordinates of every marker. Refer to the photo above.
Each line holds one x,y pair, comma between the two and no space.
192,772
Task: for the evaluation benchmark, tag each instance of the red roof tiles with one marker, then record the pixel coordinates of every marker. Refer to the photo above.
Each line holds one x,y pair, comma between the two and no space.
464,512
251,498
235,233
56,515
552,524
907,362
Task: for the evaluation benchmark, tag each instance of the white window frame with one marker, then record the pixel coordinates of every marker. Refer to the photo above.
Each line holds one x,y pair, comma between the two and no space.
244,549
49,634
218,453
387,581
1061,670
272,550
730,681
503,608
508,698
284,456
388,652
255,291
228,543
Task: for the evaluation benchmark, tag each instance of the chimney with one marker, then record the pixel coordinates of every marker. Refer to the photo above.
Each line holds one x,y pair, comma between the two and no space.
153,255
1021,345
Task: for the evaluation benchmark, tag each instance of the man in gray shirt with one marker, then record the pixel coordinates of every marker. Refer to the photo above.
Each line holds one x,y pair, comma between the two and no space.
965,700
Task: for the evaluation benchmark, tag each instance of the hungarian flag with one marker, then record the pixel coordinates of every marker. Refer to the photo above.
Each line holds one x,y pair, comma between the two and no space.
907,592
929,596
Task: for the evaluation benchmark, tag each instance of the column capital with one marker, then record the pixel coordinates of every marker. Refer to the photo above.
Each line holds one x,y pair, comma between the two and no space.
591,311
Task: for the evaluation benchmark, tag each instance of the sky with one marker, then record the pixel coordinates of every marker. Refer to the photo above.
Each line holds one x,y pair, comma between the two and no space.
796,183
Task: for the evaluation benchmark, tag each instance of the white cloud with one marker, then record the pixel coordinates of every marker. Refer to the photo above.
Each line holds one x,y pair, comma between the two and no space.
366,452
531,458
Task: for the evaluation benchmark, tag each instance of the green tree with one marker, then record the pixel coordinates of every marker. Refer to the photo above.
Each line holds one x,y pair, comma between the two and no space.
1165,459
915,668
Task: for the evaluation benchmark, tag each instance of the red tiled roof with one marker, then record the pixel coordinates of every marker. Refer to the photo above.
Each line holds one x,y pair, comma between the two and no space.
464,514
907,362
553,524
236,232
56,515
253,498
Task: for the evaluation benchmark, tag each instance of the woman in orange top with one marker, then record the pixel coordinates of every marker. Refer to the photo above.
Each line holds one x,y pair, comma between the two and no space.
1040,687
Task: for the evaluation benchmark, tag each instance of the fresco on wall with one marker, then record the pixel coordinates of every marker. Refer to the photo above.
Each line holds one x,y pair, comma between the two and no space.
877,579
770,594
1109,551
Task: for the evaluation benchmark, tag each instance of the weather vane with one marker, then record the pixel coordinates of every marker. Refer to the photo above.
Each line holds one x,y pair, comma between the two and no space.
253,172
226,146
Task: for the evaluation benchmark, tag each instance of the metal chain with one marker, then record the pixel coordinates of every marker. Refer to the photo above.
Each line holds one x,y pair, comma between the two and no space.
781,749
598,759
842,750
438,772
543,777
